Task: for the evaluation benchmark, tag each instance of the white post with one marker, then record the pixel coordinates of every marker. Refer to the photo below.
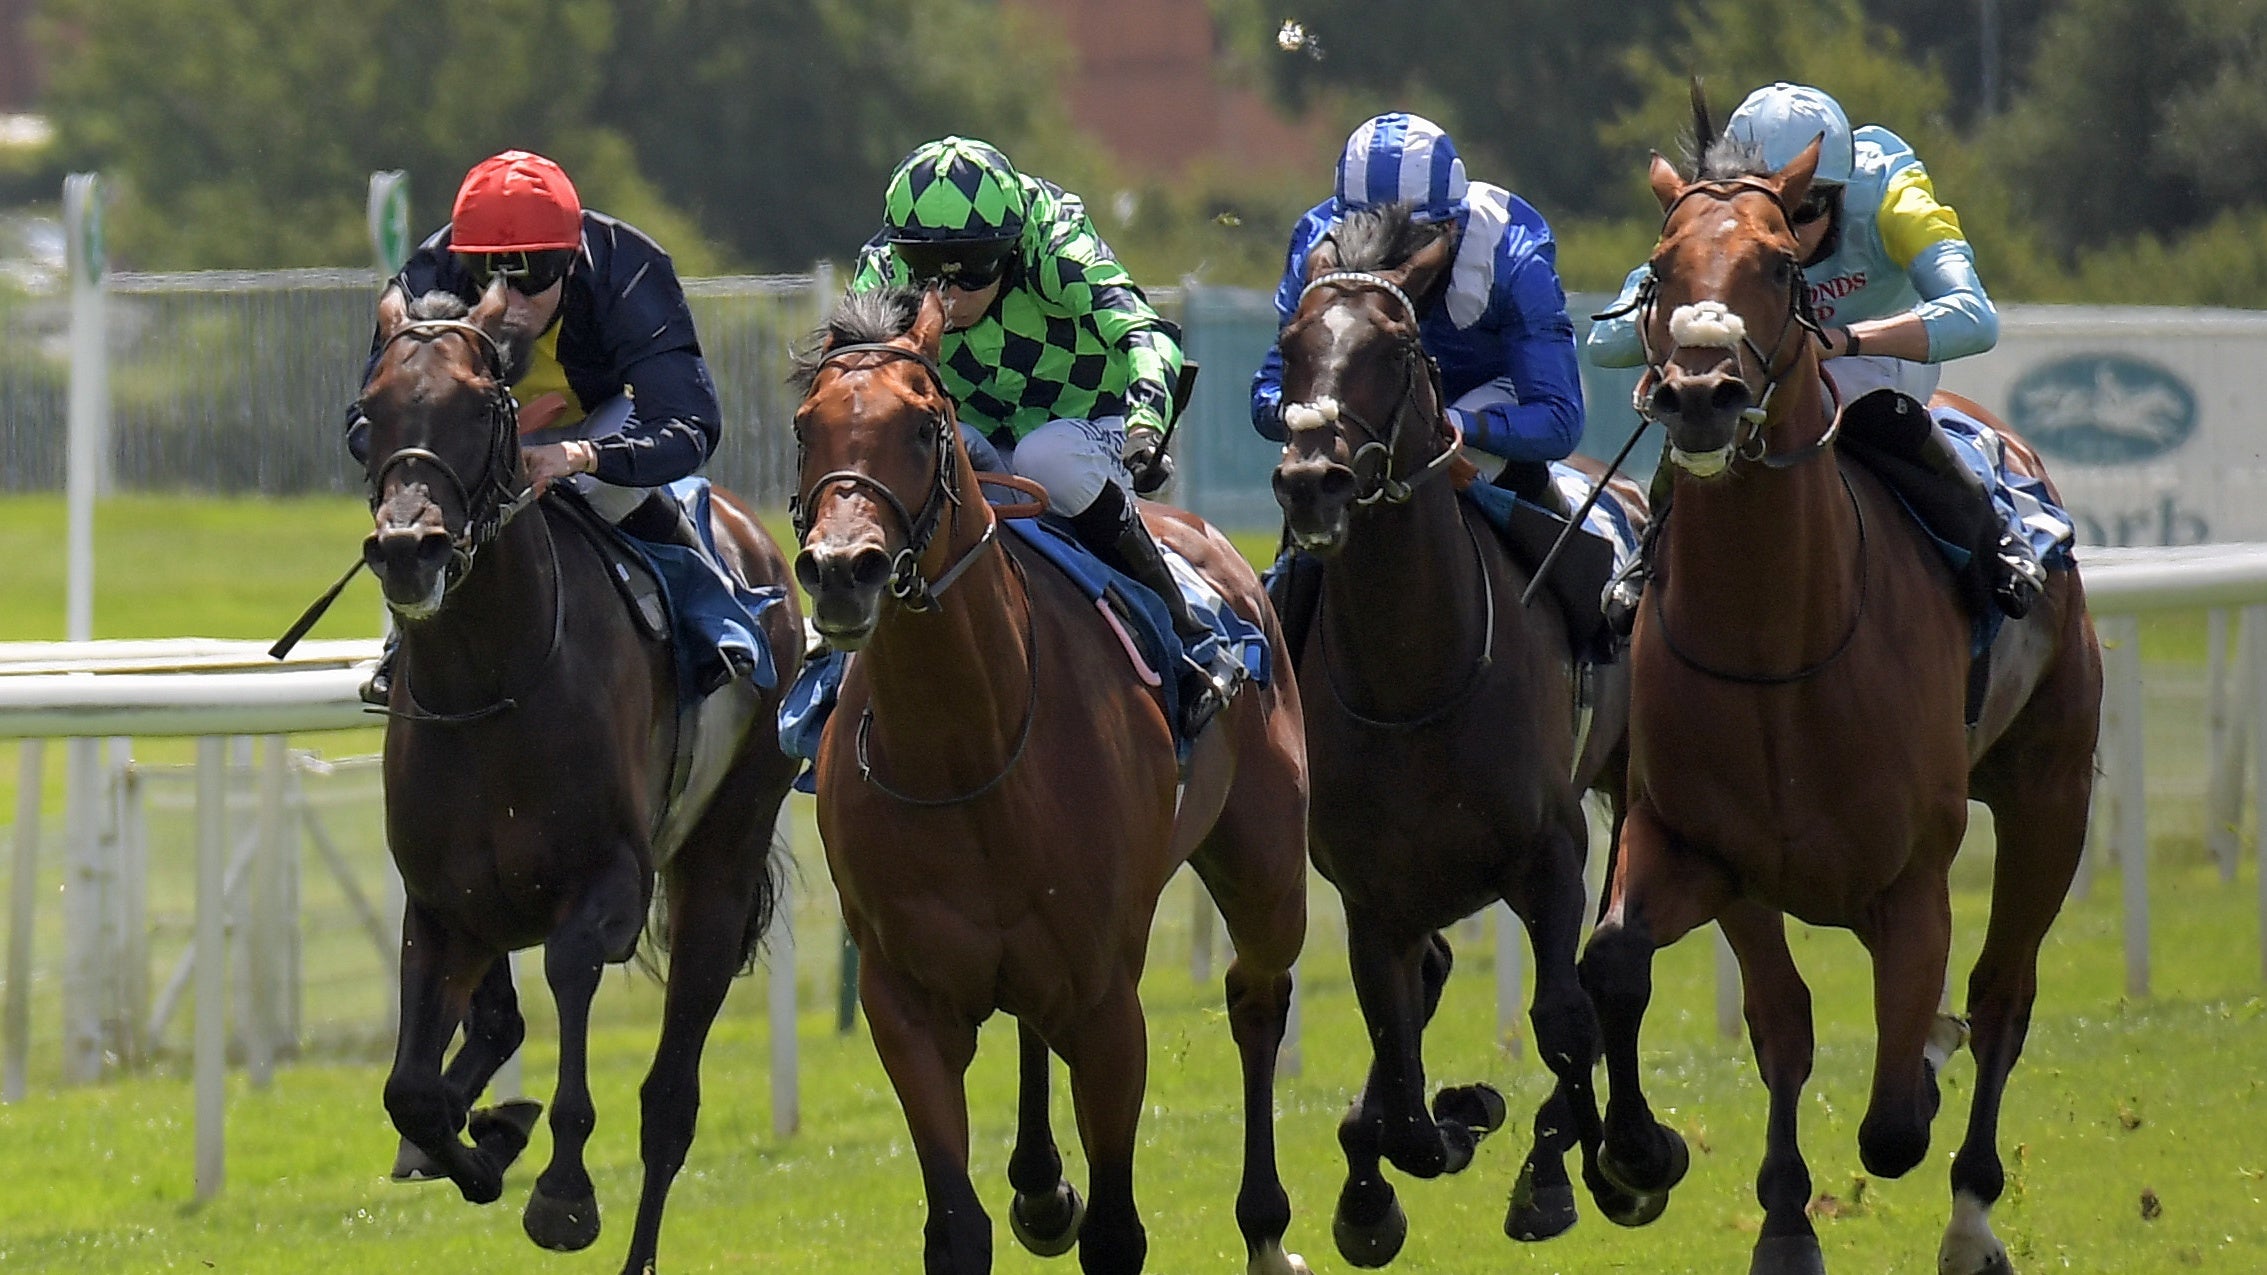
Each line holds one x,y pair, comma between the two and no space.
2224,689
1727,987
510,1080
786,1081
1290,1060
87,967
1509,960
264,921
133,902
23,899
2121,658
2255,629
211,1055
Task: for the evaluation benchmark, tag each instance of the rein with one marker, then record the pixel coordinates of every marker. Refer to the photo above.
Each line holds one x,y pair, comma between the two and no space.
906,583
1463,693
506,702
1386,443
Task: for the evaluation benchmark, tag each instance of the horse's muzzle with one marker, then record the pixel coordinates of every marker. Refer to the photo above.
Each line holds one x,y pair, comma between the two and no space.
1702,413
410,560
1316,494
845,583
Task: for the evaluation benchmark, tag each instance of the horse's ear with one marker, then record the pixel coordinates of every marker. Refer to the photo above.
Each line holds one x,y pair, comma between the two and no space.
393,311
1794,179
1428,264
928,330
1668,183
488,314
1323,257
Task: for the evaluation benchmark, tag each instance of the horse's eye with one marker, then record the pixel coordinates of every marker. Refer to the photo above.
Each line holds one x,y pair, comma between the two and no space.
1782,270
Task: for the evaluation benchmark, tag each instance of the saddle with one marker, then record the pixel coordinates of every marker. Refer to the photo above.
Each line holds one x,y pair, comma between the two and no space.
627,568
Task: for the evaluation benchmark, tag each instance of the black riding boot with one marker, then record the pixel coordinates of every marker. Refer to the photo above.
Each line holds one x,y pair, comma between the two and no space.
1113,529
1530,480
378,691
1628,587
660,520
1895,437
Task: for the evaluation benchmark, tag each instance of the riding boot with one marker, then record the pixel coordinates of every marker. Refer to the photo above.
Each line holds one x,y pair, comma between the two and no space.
1113,529
1530,480
660,520
1894,435
378,691
1628,587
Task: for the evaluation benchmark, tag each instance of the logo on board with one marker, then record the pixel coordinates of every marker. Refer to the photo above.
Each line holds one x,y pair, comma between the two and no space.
2103,409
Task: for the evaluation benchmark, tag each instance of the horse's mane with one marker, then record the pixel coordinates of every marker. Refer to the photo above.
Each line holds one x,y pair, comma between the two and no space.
860,318
1382,237
439,304
1711,156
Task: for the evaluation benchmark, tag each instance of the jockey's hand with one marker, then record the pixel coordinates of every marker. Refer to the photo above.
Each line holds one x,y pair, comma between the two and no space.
1147,461
550,462
542,412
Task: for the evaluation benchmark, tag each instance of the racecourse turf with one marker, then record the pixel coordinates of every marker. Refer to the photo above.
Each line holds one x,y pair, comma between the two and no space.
2135,1133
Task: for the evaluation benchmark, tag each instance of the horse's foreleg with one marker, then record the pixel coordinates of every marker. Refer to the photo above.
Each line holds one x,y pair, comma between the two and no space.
562,1211
1656,897
1108,1053
493,1031
713,888
926,1047
1046,1212
1779,1024
1369,1226
1548,898
438,973
1910,936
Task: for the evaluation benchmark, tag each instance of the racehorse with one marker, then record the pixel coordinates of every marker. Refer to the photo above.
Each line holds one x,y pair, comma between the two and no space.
527,762
1797,729
997,795
1441,727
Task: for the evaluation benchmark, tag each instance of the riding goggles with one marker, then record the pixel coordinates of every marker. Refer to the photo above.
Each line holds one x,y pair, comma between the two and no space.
527,273
1818,203
968,267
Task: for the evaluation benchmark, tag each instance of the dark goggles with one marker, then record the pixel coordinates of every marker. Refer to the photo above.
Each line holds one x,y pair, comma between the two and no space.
969,267
1818,203
527,273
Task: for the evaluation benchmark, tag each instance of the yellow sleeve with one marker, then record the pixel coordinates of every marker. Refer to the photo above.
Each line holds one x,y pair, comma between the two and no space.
1911,219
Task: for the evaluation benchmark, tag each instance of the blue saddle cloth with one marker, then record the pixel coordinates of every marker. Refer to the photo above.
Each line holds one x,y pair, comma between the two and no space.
2024,508
712,616
804,709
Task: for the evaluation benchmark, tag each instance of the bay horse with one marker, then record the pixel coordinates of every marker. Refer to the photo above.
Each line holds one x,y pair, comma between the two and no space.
1441,728
1797,729
997,795
527,760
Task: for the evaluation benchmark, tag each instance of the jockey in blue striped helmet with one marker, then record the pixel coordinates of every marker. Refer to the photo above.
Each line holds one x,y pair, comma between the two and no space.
1402,158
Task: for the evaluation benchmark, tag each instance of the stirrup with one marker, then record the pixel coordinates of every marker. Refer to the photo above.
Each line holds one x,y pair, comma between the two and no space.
2021,579
1623,597
378,691
1205,690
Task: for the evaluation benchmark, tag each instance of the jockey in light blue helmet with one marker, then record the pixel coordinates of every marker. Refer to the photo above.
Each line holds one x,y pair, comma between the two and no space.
1893,280
1499,333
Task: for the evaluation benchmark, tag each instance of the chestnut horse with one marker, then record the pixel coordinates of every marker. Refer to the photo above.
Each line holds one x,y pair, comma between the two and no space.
997,794
1442,730
528,756
1797,730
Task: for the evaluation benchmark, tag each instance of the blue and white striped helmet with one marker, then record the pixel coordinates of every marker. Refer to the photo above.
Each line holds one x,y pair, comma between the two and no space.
1402,158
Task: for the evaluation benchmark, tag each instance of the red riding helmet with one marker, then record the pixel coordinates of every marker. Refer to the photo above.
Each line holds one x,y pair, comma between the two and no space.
515,201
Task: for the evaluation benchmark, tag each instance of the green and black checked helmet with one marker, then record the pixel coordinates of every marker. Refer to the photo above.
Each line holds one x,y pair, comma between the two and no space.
954,190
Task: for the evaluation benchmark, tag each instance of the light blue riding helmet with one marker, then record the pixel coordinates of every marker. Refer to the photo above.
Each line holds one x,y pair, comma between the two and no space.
1781,119
1402,158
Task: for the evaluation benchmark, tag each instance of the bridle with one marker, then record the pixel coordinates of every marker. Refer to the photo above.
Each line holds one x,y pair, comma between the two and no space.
1749,442
906,583
1410,355
489,502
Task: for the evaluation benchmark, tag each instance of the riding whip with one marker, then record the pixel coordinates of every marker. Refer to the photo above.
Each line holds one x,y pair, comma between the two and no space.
313,613
1575,523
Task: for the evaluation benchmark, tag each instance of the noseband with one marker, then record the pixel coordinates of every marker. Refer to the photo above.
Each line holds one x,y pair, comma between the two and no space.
489,501
1750,444
1409,350
906,582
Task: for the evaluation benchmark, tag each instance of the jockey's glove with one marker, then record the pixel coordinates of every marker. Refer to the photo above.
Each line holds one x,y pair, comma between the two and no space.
1147,461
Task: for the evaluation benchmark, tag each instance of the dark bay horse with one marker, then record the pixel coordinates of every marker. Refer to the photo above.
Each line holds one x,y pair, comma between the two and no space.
527,761
1442,730
1801,669
997,794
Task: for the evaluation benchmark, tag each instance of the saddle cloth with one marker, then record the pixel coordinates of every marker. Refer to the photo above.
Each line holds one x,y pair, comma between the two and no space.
1135,613
2024,505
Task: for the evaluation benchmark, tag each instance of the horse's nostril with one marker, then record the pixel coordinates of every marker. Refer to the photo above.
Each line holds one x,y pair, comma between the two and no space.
1664,399
807,571
1729,395
1337,483
869,567
433,548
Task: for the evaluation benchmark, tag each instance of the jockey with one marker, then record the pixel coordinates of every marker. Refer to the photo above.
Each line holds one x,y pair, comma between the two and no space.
1893,282
1059,369
615,396
1500,331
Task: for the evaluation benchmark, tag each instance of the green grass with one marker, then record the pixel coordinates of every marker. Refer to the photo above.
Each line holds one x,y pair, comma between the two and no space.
2112,1099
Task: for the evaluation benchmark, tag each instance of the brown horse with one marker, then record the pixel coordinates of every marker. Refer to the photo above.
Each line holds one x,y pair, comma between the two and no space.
997,794
527,764
1797,736
1442,728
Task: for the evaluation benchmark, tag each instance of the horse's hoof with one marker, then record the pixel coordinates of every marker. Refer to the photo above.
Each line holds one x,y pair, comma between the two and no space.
1787,1255
1272,1260
1048,1224
563,1226
501,1131
1477,1107
413,1165
1538,1212
1373,1245
1991,1261
1674,1157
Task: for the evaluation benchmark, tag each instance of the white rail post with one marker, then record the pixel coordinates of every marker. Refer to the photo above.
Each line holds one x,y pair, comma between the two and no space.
1728,1018
211,1052
510,1080
2224,687
2255,628
133,902
263,920
786,1080
1510,959
23,911
88,965
2121,659
1290,1058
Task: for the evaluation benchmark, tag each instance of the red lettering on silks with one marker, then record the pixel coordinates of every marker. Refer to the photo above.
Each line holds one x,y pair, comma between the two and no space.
1834,289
